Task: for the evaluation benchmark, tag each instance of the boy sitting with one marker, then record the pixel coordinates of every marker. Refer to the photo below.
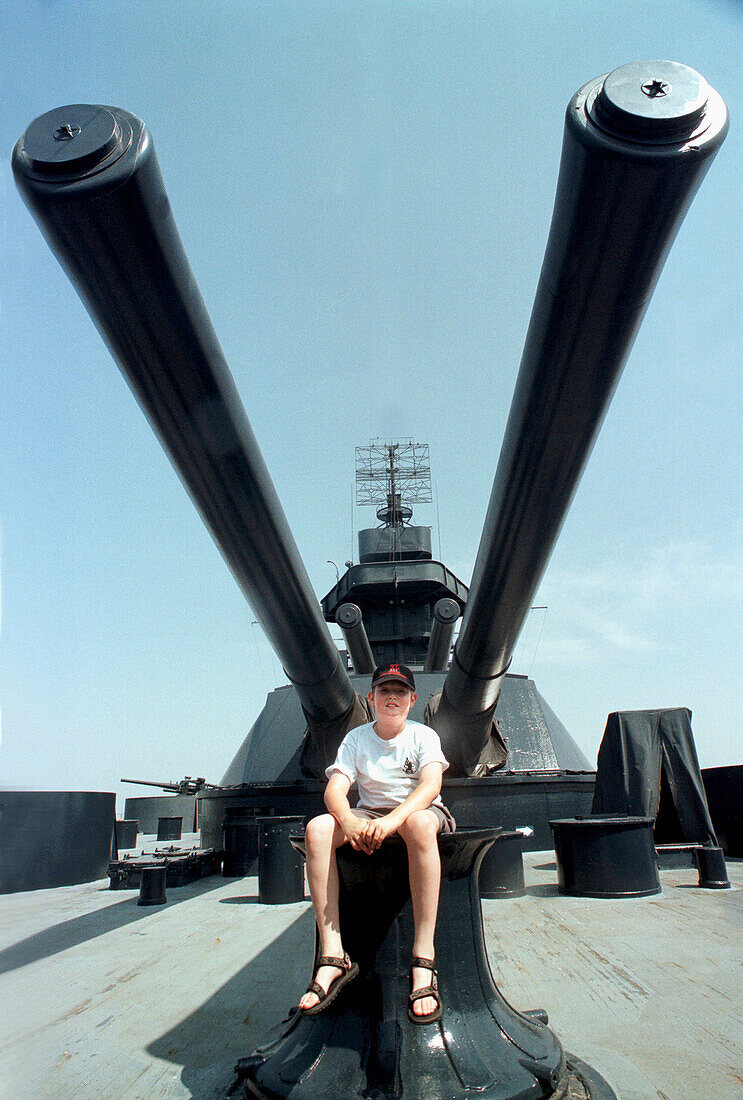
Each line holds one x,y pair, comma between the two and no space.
398,767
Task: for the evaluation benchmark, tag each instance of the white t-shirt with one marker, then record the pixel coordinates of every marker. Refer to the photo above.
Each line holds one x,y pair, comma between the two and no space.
387,771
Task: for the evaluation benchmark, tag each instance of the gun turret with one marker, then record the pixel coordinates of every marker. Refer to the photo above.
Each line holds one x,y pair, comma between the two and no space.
637,144
89,175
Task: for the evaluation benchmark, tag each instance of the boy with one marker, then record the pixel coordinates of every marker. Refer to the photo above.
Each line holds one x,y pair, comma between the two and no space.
398,766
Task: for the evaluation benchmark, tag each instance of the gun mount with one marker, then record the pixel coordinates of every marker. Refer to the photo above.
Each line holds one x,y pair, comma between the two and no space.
637,144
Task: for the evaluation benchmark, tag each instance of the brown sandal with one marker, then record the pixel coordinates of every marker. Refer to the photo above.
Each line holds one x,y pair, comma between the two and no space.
350,970
431,990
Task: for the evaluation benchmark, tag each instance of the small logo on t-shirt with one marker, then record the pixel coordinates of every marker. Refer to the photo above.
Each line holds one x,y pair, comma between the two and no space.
408,767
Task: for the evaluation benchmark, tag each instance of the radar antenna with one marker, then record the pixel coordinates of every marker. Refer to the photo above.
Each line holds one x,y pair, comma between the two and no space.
393,476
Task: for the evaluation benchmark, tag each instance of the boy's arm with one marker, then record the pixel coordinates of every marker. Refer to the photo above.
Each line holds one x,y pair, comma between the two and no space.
429,786
336,800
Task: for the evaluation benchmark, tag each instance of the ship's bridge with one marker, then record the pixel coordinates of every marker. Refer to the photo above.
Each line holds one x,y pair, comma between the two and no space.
396,585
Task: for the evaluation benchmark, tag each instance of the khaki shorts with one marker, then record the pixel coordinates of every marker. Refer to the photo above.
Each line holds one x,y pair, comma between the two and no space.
446,822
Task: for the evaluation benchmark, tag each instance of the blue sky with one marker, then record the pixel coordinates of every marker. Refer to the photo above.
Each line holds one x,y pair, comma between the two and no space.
364,191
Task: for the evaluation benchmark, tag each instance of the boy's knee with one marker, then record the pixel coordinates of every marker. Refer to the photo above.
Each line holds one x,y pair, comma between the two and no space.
420,828
319,831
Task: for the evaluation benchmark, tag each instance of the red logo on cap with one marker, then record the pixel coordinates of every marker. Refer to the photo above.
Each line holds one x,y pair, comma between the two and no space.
395,668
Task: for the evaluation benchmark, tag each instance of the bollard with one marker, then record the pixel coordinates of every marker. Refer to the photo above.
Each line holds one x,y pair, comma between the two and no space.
280,867
126,833
240,832
713,873
606,857
364,1045
152,886
502,868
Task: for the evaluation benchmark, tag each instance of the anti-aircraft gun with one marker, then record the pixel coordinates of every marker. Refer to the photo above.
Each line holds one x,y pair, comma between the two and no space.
187,785
637,144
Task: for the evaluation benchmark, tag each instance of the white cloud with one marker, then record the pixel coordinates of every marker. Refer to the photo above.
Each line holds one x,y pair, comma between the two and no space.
649,602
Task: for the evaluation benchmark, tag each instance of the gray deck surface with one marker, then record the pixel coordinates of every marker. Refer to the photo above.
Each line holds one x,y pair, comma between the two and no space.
102,997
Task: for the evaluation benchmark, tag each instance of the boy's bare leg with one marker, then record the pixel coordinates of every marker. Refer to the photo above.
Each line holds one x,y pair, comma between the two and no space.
424,865
322,837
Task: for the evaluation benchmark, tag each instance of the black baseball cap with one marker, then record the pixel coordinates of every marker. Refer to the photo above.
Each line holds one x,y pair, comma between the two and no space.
393,671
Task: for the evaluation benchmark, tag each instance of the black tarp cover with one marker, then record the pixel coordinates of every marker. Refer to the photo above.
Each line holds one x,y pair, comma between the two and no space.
636,745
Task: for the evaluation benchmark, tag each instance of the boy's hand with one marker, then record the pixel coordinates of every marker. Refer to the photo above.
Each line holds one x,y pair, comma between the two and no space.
357,833
378,830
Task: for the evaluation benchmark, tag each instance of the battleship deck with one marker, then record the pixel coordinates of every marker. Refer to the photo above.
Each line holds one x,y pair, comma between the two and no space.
107,998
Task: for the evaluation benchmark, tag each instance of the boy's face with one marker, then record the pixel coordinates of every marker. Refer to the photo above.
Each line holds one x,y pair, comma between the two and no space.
392,699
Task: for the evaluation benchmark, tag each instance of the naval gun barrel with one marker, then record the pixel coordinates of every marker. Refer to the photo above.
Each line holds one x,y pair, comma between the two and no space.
637,144
445,615
90,176
182,786
350,620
